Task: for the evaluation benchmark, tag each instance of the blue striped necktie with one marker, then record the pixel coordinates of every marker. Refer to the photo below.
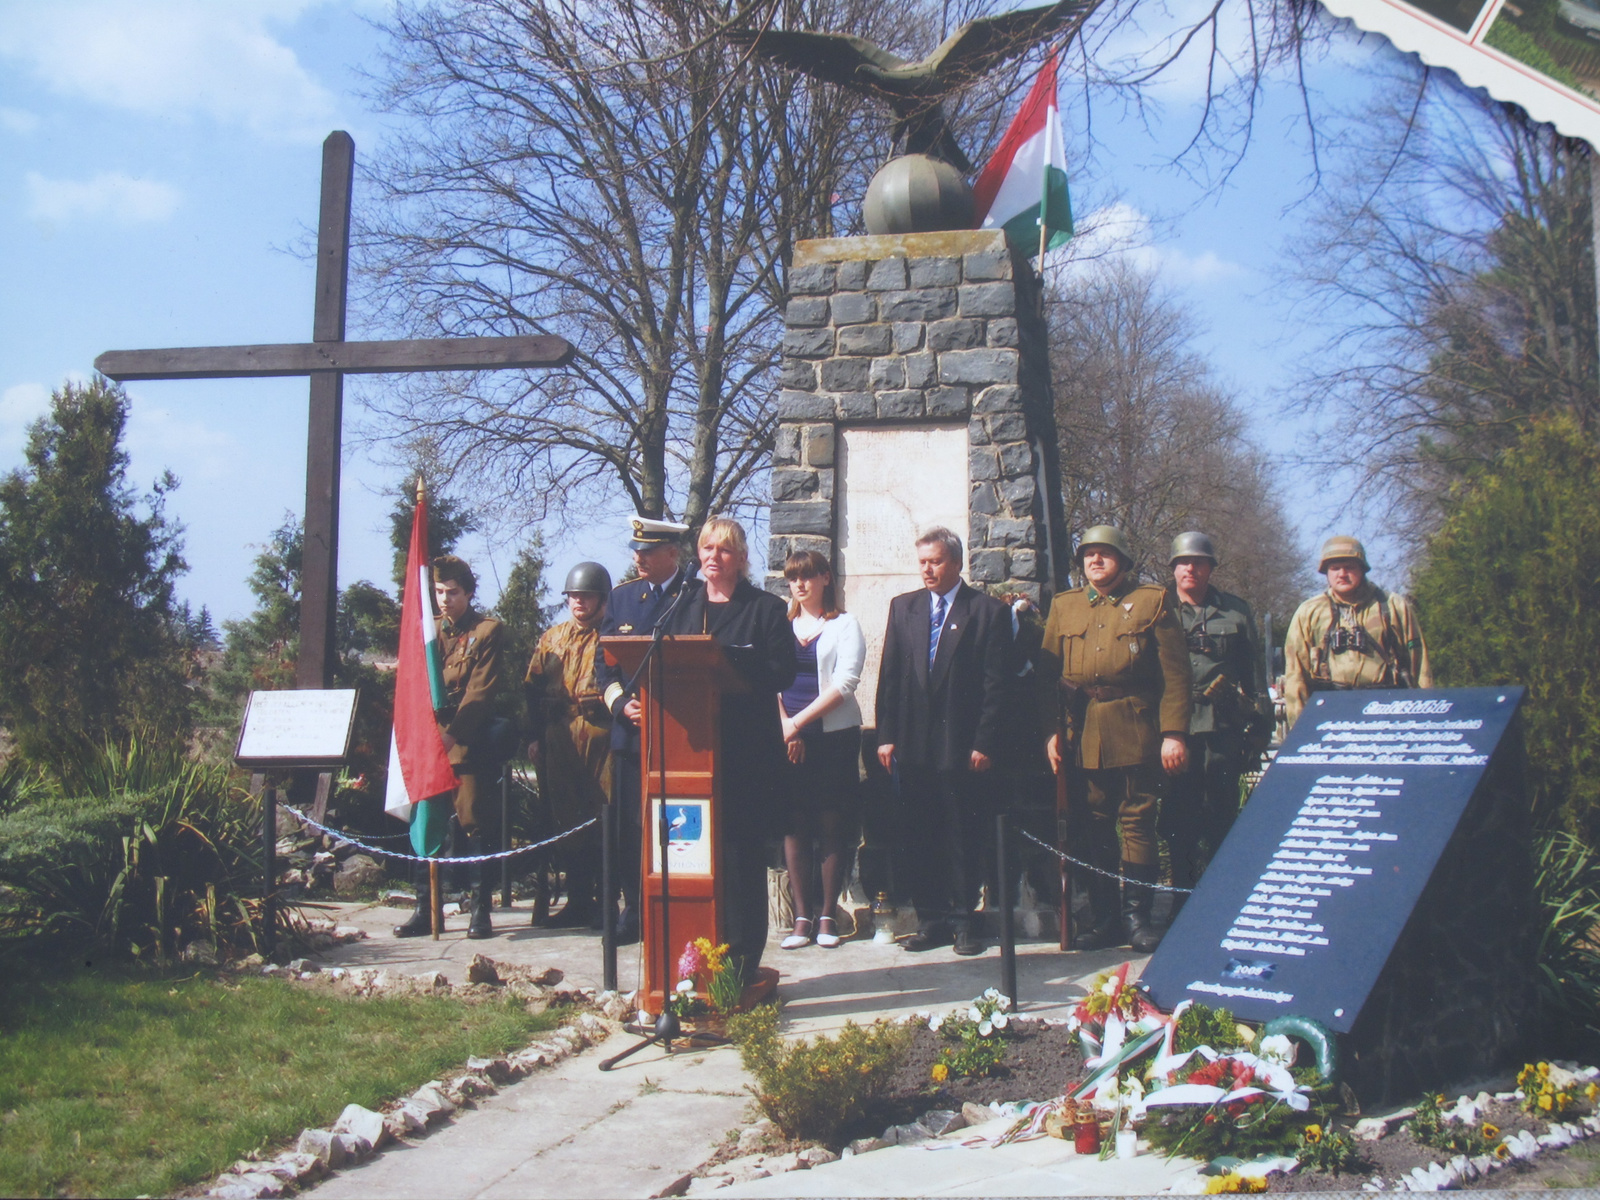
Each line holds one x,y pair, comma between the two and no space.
933,632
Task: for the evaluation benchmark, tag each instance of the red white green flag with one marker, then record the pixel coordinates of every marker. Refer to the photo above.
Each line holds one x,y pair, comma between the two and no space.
1023,188
419,769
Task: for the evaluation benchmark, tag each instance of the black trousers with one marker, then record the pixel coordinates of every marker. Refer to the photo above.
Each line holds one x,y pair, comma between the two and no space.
948,815
629,850
1199,806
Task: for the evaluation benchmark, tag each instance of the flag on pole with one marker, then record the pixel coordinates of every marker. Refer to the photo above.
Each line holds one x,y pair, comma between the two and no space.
1023,188
419,769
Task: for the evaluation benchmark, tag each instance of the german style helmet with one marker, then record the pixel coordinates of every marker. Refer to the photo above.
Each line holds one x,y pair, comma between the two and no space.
588,577
1192,545
1105,535
1341,546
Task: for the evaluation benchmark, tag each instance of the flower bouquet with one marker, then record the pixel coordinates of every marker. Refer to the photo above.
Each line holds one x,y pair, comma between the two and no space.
704,969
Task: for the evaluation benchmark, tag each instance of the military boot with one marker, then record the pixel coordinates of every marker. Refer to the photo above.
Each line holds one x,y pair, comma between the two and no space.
1104,931
421,922
1136,896
481,883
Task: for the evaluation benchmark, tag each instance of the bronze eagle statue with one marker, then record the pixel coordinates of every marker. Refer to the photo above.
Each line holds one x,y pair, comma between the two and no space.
916,91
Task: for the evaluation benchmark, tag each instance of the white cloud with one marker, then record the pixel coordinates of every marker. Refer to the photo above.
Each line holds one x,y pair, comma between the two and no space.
172,58
1121,231
110,194
21,405
192,449
17,120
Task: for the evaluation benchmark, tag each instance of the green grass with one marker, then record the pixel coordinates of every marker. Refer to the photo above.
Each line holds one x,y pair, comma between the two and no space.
121,1084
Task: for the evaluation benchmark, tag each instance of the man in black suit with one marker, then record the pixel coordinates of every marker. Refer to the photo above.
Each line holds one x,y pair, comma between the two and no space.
941,691
633,609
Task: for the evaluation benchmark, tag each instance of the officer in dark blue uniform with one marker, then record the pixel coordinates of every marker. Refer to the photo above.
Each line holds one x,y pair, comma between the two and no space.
633,610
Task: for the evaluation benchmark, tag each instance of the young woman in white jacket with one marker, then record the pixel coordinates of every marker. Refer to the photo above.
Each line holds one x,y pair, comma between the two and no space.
822,735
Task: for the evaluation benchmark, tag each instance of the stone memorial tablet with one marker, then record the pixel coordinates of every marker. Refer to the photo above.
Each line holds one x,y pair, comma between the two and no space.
1383,852
304,728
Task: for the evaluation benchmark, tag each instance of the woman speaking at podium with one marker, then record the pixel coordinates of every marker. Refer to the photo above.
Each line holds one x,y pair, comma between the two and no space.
752,627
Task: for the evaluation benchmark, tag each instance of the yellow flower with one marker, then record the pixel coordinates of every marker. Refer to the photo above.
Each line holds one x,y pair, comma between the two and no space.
1544,1069
1253,1184
1313,1134
1502,1151
1226,1182
940,1072
1544,1101
1490,1132
1591,1092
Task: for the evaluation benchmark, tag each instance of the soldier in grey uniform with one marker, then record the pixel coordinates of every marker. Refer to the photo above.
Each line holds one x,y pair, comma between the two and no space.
1226,730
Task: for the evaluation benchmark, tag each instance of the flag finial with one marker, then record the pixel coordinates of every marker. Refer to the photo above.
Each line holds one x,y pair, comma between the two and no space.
419,489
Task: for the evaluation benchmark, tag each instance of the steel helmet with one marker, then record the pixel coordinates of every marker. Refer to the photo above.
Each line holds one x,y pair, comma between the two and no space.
1341,546
588,577
1192,545
1105,535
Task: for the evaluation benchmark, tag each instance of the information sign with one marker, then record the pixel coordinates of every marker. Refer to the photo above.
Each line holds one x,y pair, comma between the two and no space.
1305,899
304,728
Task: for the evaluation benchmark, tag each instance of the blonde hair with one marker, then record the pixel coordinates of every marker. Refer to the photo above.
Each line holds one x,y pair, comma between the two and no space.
726,532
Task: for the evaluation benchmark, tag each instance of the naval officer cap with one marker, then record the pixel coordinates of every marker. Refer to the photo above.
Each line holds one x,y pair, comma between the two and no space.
648,534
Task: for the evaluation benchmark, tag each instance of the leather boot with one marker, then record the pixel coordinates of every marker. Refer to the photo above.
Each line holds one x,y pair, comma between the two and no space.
1136,896
1105,930
421,922
482,886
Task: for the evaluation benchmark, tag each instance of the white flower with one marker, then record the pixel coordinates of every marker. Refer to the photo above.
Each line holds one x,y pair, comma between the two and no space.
991,993
1109,987
685,985
934,1023
1005,1003
1000,1020
985,1029
1276,1049
973,1013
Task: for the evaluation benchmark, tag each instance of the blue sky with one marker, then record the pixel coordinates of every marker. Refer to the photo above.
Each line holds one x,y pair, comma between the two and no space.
158,177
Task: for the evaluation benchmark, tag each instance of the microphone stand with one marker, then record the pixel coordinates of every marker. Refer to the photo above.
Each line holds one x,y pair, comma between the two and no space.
667,1026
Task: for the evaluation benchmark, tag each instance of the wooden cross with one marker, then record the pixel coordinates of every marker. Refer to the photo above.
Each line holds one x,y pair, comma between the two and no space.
327,359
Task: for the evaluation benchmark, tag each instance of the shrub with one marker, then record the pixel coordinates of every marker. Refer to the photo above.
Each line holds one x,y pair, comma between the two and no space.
1326,1150
132,869
809,1089
1567,884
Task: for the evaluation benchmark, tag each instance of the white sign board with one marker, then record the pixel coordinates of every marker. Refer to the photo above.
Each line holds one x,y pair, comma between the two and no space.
891,485
308,728
1541,54
689,835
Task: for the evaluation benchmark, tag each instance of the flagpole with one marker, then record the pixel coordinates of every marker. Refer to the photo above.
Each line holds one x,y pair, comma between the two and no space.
435,907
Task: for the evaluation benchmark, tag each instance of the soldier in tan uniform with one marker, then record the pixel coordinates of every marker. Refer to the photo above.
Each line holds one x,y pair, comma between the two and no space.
1354,635
572,732
1114,675
469,645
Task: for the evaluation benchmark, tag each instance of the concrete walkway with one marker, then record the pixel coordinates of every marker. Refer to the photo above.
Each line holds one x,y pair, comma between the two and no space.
574,1131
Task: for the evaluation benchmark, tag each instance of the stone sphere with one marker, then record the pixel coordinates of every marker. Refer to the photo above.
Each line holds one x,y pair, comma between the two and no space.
917,194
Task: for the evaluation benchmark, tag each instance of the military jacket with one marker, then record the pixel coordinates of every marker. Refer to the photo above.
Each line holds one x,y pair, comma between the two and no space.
1129,646
1385,626
470,649
1221,636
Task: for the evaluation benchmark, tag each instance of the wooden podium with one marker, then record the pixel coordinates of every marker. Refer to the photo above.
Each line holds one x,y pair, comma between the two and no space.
679,758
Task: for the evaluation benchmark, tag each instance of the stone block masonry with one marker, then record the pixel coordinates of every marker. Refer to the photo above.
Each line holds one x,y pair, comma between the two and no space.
938,330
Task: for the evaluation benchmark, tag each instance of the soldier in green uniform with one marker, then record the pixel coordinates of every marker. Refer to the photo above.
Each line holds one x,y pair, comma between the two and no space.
469,645
1114,678
1199,805
1354,635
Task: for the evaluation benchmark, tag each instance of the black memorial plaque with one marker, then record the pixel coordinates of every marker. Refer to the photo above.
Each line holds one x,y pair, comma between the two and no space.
1309,895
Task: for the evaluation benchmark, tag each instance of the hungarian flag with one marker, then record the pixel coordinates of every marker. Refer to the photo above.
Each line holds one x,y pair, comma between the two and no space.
419,769
1023,188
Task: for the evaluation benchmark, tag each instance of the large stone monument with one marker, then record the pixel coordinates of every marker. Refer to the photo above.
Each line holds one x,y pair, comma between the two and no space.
915,391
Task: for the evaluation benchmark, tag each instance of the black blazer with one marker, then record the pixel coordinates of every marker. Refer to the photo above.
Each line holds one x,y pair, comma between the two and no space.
936,718
756,636
630,611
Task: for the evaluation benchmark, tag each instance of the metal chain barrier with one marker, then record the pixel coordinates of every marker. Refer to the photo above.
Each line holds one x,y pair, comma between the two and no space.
1078,862
470,858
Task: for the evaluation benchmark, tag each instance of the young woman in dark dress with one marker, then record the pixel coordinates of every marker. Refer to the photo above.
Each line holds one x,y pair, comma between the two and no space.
822,735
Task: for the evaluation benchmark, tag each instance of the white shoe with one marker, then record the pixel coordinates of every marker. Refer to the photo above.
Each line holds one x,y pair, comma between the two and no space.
826,937
801,935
